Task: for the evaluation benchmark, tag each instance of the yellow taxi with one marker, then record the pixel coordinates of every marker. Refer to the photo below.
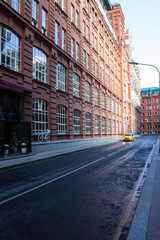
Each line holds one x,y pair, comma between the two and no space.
128,137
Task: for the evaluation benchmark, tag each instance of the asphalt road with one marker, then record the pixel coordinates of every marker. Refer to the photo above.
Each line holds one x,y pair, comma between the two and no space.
80,196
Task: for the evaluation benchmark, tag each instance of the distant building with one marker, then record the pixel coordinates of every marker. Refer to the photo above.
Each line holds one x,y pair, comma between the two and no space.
150,104
63,66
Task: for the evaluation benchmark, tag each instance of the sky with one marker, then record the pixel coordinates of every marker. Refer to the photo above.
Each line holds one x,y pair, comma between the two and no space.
142,17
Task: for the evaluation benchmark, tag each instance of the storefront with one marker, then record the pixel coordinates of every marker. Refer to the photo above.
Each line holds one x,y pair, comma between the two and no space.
14,130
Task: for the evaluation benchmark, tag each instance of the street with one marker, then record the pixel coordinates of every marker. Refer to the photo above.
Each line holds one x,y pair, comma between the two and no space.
79,196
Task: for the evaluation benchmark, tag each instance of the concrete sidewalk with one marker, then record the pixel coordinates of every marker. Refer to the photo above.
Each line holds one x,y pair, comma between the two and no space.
146,221
20,159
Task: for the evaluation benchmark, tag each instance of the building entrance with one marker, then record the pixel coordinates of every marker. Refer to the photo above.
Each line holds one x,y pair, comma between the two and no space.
12,131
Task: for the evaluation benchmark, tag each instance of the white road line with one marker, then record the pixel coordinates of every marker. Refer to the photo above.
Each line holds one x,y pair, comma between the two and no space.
48,182
111,153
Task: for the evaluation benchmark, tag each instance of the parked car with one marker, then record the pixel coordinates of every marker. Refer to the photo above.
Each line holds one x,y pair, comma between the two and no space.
128,137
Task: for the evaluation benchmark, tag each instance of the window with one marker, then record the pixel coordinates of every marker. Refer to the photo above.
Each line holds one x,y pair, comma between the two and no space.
87,6
87,91
87,33
103,100
120,128
96,124
10,49
96,97
113,126
84,58
61,119
108,103
56,33
44,21
15,5
83,3
95,43
93,67
76,85
63,5
116,108
35,13
61,77
92,40
100,74
72,13
77,52
103,125
112,106
77,19
116,127
72,47
88,123
119,110
109,126
76,121
87,61
84,28
40,116
63,39
96,69
40,66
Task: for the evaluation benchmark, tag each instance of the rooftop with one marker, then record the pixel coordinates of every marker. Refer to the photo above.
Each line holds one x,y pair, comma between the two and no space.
152,90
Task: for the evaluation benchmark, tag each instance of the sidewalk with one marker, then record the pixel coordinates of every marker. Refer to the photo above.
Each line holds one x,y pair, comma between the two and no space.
24,159
146,221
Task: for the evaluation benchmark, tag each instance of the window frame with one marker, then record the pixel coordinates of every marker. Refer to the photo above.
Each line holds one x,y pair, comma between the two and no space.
38,55
10,59
61,77
76,122
40,116
76,85
61,119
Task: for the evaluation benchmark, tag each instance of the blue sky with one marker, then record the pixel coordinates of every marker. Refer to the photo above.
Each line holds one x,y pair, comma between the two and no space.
142,17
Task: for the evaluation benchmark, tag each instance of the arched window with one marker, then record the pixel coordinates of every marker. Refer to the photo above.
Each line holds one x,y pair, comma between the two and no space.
88,123
61,77
61,119
87,91
40,66
76,121
76,85
96,124
9,49
103,125
40,116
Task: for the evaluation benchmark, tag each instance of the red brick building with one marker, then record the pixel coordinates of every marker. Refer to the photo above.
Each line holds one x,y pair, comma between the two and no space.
150,104
62,67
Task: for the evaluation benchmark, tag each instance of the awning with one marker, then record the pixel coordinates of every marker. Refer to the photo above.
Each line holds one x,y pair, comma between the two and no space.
18,86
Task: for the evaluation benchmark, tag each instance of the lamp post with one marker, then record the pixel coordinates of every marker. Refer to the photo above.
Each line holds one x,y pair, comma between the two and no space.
150,65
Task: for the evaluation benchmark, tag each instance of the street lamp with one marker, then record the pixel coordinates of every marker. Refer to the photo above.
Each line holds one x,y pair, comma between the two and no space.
150,65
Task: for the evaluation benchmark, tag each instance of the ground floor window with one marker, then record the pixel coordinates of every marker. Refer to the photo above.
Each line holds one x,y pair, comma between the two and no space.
61,119
40,116
88,123
96,124
103,125
109,126
76,121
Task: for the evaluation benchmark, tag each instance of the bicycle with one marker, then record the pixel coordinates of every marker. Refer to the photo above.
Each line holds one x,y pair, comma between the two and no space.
44,136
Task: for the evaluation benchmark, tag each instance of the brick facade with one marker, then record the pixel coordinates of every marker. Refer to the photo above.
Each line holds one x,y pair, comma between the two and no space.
150,104
103,51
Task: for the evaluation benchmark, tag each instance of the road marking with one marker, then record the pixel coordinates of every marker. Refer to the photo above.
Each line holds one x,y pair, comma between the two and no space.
48,182
111,153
